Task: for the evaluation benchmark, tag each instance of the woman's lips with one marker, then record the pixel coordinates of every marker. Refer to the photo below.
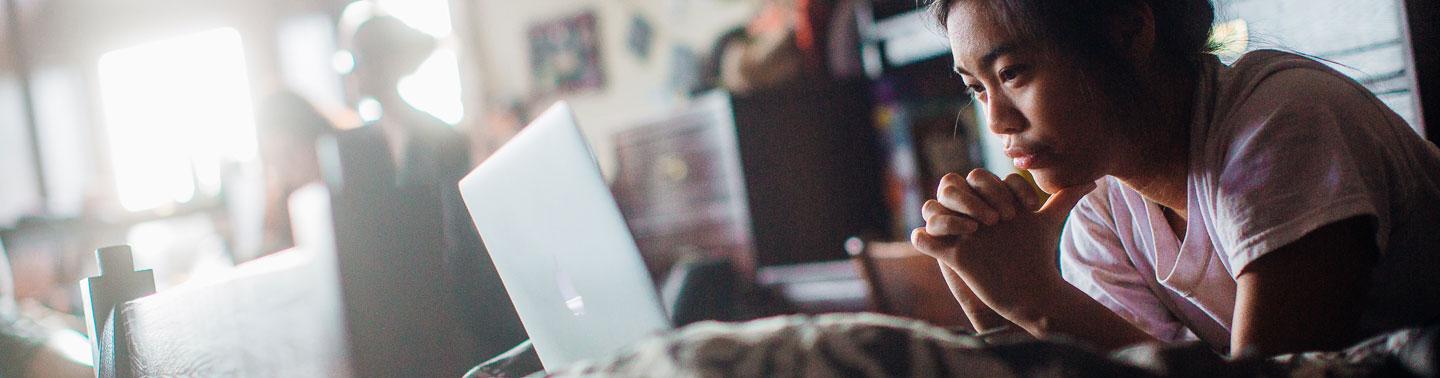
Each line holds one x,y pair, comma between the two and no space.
1028,159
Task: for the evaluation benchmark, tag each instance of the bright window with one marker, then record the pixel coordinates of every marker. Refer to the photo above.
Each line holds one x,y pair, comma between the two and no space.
175,111
435,87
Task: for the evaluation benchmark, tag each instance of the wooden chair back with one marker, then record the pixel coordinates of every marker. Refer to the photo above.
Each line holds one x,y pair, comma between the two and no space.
904,282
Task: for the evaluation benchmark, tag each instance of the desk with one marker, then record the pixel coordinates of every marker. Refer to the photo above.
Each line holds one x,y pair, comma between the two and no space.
820,287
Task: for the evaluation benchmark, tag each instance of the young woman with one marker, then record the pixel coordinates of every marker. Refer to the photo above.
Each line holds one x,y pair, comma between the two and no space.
1269,206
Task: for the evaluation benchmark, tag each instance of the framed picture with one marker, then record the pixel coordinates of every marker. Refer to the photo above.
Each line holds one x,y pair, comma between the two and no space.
565,55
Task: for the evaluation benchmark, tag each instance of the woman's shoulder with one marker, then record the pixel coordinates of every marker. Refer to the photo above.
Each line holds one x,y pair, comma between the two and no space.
1274,60
1287,96
1279,77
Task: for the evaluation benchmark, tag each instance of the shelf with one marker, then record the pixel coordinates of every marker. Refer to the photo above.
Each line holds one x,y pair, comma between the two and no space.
901,40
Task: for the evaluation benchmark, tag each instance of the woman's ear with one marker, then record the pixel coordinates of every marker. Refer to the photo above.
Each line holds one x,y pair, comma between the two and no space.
1132,32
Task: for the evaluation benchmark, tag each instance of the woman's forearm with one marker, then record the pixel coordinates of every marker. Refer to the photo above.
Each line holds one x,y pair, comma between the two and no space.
1072,313
980,316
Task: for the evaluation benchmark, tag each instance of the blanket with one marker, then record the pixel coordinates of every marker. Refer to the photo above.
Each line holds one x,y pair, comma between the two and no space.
871,345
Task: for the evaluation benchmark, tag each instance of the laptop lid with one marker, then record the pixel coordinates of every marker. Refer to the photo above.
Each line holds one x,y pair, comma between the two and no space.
560,244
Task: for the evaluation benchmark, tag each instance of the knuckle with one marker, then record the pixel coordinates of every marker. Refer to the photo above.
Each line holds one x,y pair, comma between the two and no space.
993,191
995,187
951,192
944,223
930,206
925,243
983,178
951,225
976,174
951,178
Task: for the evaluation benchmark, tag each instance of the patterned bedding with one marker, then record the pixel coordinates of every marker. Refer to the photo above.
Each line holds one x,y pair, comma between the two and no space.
870,345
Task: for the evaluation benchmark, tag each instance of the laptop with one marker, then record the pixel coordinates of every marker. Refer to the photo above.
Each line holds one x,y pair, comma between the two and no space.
560,244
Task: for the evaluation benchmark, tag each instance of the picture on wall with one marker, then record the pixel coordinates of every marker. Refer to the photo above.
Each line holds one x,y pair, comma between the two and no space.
565,55
641,36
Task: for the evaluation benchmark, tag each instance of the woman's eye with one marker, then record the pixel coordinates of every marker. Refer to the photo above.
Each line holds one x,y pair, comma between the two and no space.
976,88
1010,73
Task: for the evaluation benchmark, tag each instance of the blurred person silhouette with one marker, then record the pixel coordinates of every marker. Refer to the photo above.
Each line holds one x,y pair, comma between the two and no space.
429,153
288,126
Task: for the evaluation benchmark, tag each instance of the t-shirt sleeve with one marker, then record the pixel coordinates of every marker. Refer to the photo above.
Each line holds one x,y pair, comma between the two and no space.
1288,168
1093,260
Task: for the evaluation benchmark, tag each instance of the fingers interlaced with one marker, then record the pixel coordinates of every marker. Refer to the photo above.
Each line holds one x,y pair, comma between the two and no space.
995,193
924,242
961,198
950,225
964,204
1023,192
940,221
932,208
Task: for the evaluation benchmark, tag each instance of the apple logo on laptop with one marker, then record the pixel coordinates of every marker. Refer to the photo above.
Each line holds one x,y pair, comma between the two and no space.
573,300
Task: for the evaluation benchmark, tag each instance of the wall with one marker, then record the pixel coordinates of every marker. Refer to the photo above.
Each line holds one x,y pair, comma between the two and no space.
635,90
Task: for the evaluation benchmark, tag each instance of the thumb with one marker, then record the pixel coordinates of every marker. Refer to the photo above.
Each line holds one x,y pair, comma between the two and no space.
1058,207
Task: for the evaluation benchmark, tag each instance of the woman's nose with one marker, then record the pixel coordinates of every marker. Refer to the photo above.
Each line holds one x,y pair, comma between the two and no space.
1003,117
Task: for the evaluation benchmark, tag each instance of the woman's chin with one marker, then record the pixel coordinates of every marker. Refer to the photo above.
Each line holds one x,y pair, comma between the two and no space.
1052,181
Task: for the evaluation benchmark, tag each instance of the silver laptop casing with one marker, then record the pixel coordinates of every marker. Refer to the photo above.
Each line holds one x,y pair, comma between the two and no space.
560,244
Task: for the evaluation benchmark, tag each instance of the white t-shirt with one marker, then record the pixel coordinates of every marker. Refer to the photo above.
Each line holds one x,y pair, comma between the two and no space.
1280,146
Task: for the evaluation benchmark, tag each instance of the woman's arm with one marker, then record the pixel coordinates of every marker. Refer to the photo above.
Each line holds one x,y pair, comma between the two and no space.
1003,246
1067,311
981,317
1307,295
1064,310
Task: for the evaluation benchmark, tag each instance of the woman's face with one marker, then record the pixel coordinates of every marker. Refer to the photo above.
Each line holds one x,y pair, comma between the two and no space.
1051,117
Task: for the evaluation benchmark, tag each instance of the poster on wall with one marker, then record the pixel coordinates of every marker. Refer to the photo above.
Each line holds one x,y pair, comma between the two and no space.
565,55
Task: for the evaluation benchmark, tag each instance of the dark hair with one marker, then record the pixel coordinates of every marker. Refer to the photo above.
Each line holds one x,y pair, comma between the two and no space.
1080,30
1182,27
387,39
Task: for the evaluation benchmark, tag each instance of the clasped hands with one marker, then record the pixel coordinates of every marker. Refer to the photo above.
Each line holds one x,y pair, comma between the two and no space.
999,238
